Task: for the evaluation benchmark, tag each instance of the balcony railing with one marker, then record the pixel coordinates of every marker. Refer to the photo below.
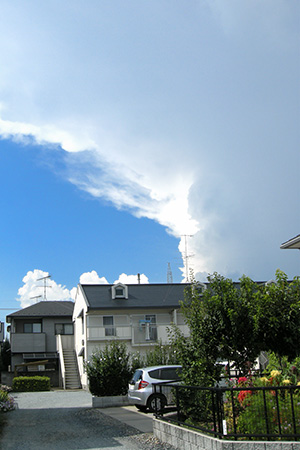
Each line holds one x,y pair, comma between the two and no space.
28,342
138,334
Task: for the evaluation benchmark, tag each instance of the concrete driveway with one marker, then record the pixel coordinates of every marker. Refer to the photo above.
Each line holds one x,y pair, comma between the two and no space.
66,420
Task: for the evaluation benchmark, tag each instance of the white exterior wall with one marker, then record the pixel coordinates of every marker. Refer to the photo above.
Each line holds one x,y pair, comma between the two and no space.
90,334
80,333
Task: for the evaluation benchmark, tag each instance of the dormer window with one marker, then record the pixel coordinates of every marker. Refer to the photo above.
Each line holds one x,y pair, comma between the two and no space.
119,291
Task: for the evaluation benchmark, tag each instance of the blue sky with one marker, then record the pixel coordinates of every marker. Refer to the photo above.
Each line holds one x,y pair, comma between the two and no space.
126,125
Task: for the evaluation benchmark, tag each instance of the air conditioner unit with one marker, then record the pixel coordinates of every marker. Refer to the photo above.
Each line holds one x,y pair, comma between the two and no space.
145,324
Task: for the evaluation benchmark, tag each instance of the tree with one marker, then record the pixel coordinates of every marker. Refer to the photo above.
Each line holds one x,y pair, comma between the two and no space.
222,327
5,356
277,316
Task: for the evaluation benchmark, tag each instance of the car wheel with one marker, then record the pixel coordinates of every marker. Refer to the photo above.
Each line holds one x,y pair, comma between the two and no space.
156,402
141,407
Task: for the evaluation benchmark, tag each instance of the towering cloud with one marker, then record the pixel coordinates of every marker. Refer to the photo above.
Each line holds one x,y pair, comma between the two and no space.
185,114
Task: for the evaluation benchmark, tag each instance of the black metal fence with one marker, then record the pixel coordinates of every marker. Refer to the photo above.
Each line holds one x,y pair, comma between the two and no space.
259,413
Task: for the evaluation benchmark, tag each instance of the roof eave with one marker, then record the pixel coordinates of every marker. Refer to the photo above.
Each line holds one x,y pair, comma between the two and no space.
293,243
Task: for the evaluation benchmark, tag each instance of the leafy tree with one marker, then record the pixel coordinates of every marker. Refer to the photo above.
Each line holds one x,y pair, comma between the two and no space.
161,354
277,316
222,327
234,322
5,356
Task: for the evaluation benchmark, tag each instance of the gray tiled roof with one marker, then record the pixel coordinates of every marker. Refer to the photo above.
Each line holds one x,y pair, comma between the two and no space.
140,296
46,308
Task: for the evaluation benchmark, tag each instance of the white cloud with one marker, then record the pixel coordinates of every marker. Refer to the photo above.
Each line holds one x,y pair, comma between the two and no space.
92,278
33,290
192,128
132,279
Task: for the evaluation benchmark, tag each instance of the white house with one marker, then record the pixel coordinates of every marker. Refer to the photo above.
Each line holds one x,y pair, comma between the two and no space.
137,314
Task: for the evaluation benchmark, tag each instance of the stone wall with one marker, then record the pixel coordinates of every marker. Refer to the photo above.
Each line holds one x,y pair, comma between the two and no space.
184,439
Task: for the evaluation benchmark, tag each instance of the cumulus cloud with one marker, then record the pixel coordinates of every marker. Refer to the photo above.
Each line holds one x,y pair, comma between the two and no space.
33,290
132,279
92,278
185,115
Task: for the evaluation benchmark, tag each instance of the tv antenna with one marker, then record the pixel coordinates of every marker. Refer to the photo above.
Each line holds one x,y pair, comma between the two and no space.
36,296
45,286
186,255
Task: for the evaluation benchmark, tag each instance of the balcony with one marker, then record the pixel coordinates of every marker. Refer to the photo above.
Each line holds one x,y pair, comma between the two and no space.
104,333
137,334
28,342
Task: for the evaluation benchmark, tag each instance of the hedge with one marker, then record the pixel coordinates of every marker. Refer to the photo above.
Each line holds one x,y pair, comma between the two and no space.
31,384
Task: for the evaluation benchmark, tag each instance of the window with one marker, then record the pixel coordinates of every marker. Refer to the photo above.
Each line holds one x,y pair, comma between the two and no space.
32,328
108,323
119,291
63,328
170,373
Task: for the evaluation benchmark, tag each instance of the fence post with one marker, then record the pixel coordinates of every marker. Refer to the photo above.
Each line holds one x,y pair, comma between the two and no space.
214,410
265,411
293,411
177,404
278,411
219,411
233,414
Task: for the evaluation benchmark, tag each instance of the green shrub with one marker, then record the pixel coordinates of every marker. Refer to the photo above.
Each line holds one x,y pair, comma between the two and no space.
31,384
161,355
109,370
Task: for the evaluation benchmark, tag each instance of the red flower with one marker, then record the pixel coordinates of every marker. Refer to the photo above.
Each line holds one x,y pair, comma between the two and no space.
243,395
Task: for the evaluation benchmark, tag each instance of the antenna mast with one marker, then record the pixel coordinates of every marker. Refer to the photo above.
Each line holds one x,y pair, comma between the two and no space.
169,274
45,285
186,255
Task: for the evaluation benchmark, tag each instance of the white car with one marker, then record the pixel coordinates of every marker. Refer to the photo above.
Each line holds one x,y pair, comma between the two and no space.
141,390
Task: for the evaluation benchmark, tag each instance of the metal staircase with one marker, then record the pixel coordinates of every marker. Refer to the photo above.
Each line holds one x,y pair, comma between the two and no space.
72,379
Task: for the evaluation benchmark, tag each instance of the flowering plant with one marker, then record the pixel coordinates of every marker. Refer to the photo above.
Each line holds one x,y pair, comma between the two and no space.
7,402
248,409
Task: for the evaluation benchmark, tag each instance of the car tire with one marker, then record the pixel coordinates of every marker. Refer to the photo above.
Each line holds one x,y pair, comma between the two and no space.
158,401
142,408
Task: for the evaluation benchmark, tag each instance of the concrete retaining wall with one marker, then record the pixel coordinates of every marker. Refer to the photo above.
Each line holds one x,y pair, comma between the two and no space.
110,402
184,439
